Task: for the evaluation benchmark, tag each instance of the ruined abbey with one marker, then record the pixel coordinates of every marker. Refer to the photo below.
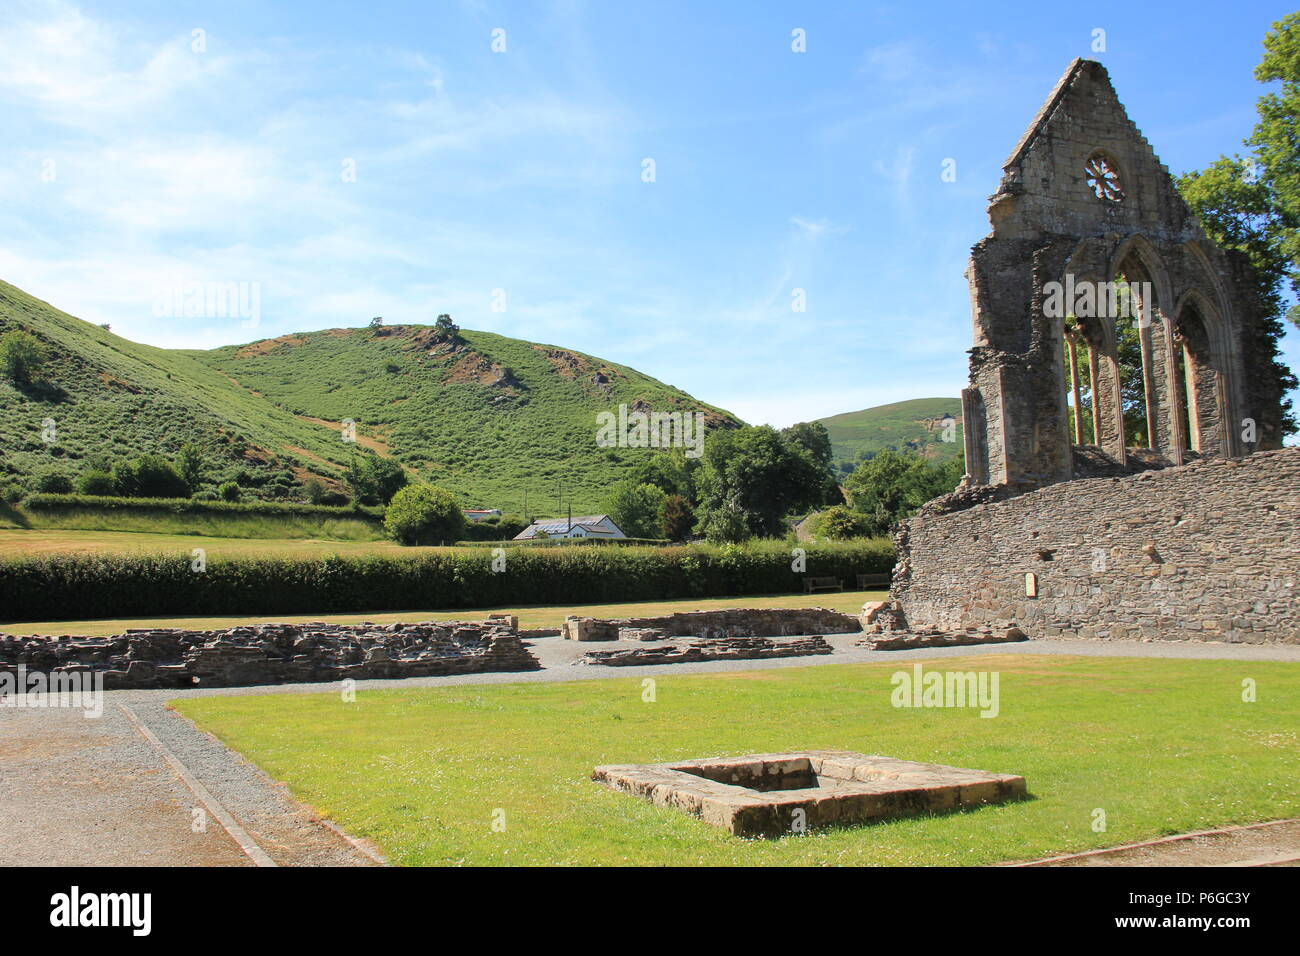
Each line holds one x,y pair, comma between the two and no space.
1124,477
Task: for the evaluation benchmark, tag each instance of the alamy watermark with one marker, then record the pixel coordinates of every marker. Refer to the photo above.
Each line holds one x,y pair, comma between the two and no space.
917,688
1103,300
637,429
79,690
180,299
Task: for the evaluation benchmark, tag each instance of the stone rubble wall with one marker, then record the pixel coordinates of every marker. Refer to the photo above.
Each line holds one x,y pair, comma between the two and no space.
731,622
1205,551
275,653
880,636
709,649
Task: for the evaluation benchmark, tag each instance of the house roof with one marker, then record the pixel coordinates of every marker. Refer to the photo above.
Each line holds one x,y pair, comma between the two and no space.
561,525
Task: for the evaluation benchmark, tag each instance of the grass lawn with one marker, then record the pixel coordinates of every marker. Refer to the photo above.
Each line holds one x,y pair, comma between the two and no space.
850,602
21,543
1162,746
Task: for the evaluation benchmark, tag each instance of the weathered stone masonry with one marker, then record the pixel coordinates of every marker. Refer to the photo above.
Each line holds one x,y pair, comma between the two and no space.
1208,551
1058,538
1085,201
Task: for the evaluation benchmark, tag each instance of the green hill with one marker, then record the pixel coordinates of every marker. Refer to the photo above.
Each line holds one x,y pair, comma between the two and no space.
484,415
914,425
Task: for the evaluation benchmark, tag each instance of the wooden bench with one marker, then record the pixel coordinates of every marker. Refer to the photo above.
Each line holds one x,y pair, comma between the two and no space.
822,584
872,582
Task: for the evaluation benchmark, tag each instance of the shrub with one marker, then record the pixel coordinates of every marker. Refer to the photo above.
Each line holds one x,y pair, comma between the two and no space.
510,525
204,495
840,523
149,476
54,483
314,490
423,514
21,356
229,491
96,481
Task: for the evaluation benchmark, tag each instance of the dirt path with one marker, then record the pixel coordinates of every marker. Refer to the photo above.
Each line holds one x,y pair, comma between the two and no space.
78,791
1261,844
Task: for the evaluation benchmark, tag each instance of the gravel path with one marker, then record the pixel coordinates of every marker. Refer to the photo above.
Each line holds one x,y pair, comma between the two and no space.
75,791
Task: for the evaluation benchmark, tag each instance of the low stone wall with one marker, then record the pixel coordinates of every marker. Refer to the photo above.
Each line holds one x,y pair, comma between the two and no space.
709,649
1205,551
275,653
731,622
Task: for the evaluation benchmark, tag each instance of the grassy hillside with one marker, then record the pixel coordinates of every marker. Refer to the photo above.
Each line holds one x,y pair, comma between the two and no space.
903,426
485,415
110,398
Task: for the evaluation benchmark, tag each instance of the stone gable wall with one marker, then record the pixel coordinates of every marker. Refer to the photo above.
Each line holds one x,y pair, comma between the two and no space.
1206,551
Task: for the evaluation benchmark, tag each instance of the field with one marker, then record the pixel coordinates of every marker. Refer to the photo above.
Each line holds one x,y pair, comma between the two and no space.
1161,746
124,530
849,602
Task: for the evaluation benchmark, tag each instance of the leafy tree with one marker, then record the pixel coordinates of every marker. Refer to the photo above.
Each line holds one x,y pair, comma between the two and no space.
376,478
191,463
670,471
423,514
891,487
814,438
1251,206
21,356
676,518
636,509
446,328
757,475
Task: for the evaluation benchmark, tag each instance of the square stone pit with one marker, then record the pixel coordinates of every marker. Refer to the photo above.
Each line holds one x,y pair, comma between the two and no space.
759,795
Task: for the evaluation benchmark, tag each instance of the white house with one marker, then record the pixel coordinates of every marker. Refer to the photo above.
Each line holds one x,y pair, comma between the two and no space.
587,526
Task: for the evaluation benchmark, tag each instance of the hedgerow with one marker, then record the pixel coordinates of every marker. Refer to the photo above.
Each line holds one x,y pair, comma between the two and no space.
117,585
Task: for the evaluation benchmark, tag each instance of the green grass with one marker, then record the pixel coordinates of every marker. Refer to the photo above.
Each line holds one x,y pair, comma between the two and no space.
1163,746
530,616
19,543
900,426
132,530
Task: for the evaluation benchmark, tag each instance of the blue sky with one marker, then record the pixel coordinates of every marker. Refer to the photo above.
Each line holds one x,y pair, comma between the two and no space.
135,156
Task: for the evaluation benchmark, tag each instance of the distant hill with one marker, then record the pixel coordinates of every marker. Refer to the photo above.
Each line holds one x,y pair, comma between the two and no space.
914,425
484,415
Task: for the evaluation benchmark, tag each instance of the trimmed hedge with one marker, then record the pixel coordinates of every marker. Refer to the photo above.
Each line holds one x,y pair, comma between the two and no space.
118,585
50,502
564,542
